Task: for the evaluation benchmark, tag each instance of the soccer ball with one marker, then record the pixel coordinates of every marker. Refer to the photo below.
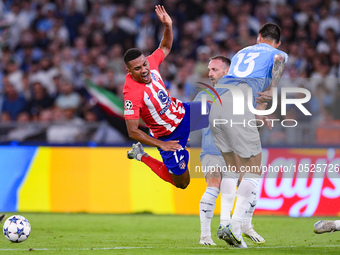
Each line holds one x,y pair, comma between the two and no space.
17,229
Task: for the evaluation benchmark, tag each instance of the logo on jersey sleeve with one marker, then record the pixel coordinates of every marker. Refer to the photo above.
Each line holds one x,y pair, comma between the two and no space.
128,106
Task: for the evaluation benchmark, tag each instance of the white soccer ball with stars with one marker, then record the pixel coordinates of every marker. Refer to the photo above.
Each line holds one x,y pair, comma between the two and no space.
17,228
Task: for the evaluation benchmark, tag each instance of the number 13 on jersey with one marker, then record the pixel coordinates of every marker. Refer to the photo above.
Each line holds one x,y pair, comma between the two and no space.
247,64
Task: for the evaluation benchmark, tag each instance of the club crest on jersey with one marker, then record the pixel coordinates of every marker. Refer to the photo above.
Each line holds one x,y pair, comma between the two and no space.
162,96
182,164
154,77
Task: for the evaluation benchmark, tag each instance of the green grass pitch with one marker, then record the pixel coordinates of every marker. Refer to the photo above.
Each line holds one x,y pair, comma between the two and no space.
161,234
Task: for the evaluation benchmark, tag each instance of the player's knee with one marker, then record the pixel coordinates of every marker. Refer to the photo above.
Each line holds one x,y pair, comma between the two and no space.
213,179
213,182
183,184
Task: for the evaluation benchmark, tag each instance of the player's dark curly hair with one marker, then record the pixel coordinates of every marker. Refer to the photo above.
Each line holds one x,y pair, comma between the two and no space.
271,32
132,54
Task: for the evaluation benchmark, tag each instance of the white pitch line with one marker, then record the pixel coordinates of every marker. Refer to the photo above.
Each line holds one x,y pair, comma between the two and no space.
188,248
311,246
76,249
262,247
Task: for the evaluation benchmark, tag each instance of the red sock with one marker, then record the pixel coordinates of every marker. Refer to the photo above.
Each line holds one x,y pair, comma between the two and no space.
158,168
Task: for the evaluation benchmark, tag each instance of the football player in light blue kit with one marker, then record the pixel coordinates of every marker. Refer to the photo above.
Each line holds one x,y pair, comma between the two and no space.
211,158
260,68
212,162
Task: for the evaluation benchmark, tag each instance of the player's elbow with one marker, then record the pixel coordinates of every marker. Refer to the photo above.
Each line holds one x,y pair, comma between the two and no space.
132,134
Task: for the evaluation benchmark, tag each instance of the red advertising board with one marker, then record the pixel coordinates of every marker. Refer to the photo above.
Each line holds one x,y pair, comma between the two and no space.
300,182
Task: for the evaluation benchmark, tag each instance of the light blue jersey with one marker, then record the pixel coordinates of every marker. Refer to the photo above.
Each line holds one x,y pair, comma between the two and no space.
208,144
252,65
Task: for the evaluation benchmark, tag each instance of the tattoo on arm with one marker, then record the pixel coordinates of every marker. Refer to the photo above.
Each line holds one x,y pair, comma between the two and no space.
278,67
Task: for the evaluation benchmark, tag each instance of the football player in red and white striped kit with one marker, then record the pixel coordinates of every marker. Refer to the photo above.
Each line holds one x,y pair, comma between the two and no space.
167,118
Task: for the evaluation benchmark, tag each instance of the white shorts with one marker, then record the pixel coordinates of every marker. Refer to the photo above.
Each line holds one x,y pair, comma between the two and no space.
235,134
213,164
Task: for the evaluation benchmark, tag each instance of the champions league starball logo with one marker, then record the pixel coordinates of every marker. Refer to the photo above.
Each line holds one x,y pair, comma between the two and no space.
128,105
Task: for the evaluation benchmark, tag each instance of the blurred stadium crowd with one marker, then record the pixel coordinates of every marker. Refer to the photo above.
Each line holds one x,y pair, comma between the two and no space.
47,47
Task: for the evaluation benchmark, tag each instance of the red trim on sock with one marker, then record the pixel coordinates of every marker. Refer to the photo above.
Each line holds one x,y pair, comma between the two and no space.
158,168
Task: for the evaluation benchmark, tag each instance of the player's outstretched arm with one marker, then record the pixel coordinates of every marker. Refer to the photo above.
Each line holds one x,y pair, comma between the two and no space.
138,135
167,39
277,71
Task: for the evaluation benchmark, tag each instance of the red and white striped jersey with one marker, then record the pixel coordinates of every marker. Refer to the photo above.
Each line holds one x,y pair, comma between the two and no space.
152,102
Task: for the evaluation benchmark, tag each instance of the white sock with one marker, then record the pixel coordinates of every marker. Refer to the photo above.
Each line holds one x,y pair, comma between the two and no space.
228,192
246,223
246,194
337,225
207,207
